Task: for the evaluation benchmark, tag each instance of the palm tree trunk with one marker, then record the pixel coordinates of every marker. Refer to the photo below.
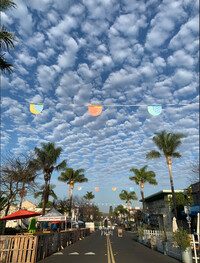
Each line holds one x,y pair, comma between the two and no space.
69,192
89,201
128,203
169,163
142,194
72,187
45,197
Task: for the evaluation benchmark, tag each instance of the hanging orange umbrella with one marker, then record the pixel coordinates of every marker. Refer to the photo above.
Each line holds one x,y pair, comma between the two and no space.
95,110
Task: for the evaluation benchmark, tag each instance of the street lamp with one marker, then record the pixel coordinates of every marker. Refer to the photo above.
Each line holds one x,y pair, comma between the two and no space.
187,210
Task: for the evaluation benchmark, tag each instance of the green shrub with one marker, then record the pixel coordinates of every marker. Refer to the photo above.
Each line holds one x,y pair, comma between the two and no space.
140,231
182,239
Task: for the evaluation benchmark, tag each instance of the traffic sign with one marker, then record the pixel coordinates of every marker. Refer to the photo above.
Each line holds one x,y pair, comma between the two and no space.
187,209
188,218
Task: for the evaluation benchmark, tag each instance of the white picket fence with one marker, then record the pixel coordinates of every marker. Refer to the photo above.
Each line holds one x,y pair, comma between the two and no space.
154,238
157,233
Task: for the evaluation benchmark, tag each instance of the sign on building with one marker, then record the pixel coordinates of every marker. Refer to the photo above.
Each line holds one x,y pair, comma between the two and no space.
187,209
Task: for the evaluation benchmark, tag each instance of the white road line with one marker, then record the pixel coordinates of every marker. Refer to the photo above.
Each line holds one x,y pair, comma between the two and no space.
90,253
74,253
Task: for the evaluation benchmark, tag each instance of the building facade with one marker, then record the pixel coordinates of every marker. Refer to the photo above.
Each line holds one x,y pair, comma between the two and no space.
157,209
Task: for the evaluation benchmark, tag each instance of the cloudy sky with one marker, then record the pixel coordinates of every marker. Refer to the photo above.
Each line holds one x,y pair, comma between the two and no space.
106,52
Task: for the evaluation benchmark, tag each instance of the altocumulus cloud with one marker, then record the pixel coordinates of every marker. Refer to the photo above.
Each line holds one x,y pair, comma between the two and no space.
104,52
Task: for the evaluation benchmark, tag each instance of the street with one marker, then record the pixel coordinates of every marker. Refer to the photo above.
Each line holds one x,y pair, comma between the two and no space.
109,249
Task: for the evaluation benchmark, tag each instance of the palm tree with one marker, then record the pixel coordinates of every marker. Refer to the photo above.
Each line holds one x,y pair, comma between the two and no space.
120,210
25,173
6,38
89,196
72,176
46,161
41,192
128,196
141,177
167,143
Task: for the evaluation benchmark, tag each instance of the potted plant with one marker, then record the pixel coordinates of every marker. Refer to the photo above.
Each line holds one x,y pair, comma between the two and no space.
164,242
140,233
182,239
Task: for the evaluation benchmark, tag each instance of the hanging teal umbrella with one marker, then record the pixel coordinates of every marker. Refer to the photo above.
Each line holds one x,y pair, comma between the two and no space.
32,226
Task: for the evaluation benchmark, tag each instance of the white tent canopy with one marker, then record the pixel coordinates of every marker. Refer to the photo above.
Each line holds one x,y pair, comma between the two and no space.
51,216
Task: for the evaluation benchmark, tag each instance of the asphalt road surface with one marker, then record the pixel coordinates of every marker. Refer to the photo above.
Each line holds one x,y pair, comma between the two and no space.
108,249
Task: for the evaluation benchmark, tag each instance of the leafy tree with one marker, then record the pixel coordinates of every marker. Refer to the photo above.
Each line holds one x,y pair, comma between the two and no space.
62,205
89,196
167,143
48,205
46,159
141,177
120,211
26,174
181,201
6,39
50,193
3,201
195,176
71,176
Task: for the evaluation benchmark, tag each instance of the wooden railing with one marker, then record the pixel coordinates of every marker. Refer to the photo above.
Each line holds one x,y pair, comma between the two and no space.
30,248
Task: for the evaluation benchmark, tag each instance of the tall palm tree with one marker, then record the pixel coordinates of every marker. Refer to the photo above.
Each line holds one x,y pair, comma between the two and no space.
167,143
141,177
46,160
71,176
89,196
41,192
6,38
26,174
128,196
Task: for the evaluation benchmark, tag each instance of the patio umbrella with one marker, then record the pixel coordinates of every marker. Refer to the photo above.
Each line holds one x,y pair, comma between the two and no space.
32,226
174,225
21,214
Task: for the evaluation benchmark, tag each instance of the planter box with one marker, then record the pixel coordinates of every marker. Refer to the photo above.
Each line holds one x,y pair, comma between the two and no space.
159,244
174,251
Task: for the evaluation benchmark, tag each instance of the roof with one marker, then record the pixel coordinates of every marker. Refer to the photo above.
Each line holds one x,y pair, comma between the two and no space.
160,195
53,212
52,215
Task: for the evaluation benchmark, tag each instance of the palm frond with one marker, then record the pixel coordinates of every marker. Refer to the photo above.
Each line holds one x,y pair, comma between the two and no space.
61,166
176,155
5,4
5,66
6,39
152,155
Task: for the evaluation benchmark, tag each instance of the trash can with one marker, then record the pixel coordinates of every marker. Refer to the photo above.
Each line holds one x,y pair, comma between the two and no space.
119,232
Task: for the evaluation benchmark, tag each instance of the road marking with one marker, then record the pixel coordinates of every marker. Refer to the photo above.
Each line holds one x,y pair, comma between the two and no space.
90,253
58,253
74,253
111,251
108,250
